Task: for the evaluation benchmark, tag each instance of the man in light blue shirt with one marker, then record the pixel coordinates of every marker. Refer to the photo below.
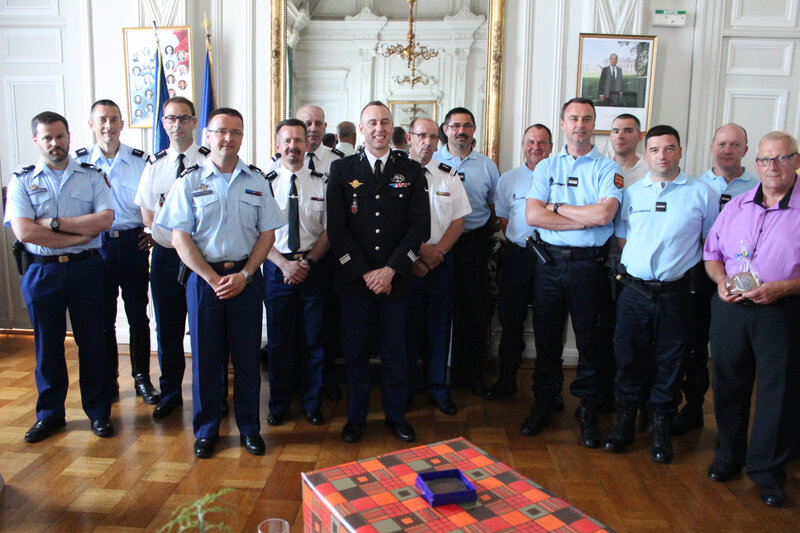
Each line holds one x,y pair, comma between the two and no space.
573,198
516,276
58,208
660,226
471,313
222,216
126,247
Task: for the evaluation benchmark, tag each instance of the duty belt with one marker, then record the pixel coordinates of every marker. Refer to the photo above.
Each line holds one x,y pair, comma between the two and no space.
229,265
575,253
123,233
296,256
657,287
66,258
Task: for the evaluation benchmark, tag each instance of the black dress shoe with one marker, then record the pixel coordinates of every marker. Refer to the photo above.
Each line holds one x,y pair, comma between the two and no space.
506,386
164,409
314,417
590,433
689,418
102,427
539,417
402,430
204,448
772,496
276,418
558,403
352,431
145,389
721,472
254,444
446,406
477,388
43,429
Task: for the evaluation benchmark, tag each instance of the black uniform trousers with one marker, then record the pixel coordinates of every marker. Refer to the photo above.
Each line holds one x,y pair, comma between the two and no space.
471,307
359,317
581,288
515,294
756,343
695,366
651,334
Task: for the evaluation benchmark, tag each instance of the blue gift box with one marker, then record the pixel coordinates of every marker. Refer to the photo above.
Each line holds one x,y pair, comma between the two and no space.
445,486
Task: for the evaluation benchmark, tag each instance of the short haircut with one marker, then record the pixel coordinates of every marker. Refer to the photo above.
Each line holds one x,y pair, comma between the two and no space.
577,101
180,100
744,131
227,111
628,116
458,111
399,136
345,129
105,102
660,130
780,136
291,122
47,117
539,127
374,103
329,140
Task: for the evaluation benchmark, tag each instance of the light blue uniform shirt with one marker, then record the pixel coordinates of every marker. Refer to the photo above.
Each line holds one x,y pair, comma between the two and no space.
39,193
123,174
480,180
224,219
509,202
663,226
727,191
582,181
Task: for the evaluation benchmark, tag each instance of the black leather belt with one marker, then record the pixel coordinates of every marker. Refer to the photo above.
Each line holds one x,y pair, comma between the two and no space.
296,256
228,265
66,258
658,287
124,233
576,253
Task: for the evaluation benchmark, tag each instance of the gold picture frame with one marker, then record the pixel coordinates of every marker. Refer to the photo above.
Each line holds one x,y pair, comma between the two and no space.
404,111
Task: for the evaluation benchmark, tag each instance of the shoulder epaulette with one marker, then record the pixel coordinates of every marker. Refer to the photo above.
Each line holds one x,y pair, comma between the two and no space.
256,169
271,176
98,169
337,152
401,153
276,156
155,157
80,152
23,170
138,153
204,150
188,170
447,168
316,174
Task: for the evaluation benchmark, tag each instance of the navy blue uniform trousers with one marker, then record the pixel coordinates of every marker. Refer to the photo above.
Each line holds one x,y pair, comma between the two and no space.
218,328
169,302
294,311
50,289
125,267
515,294
360,317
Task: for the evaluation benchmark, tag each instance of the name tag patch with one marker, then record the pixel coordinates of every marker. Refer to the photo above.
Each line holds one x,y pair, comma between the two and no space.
724,199
661,206
462,176
572,182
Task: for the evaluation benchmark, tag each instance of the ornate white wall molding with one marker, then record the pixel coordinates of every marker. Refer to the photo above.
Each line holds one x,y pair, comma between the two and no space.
164,12
619,16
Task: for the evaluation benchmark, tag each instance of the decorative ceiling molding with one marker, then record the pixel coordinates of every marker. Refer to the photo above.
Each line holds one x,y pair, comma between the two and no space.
620,16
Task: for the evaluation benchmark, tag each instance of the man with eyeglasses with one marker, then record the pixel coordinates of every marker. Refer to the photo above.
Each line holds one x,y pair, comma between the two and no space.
754,334
430,307
169,296
479,176
126,246
728,178
516,277
223,216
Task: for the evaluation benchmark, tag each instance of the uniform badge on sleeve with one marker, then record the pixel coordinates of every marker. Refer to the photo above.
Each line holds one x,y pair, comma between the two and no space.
619,181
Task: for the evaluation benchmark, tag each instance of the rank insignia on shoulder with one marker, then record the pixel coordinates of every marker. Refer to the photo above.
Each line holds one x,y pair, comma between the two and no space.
619,181
317,174
204,150
98,169
23,170
271,176
155,157
461,175
337,152
188,170
80,152
400,153
256,169
138,153
446,168
276,156
355,184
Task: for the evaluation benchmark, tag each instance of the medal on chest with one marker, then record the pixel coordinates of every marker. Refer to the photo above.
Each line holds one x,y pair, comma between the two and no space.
354,205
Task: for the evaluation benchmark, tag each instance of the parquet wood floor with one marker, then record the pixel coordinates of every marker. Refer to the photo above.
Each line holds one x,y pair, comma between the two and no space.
132,482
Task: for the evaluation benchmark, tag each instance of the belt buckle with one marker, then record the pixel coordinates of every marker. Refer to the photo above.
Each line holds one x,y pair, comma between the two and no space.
228,265
114,234
63,259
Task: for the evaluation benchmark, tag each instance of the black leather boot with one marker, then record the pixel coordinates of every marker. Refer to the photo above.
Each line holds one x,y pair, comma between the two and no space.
624,431
590,433
689,418
662,442
112,354
140,369
506,384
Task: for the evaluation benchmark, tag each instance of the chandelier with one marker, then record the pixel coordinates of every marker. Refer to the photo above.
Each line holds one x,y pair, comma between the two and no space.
409,52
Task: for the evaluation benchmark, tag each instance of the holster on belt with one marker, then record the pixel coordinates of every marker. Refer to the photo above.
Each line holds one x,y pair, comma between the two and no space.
621,276
536,246
183,273
21,256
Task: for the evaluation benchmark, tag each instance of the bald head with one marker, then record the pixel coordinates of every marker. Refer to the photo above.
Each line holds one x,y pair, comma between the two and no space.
314,119
728,148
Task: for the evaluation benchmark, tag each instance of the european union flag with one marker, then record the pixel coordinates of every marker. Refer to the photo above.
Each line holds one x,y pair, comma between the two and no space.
160,138
207,99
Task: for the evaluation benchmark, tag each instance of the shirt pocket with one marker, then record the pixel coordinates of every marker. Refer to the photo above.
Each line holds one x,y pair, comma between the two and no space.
249,206
43,203
80,202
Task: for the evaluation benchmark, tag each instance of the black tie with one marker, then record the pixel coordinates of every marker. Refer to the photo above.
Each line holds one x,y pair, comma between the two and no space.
377,169
181,166
311,161
294,216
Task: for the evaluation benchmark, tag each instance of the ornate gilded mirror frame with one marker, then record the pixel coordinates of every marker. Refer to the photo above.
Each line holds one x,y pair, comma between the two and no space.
494,73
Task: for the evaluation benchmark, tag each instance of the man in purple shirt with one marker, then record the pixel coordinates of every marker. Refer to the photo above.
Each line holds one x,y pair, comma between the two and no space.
754,334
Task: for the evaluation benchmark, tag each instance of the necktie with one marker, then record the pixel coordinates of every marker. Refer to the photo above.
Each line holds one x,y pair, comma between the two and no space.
293,209
181,166
377,168
311,161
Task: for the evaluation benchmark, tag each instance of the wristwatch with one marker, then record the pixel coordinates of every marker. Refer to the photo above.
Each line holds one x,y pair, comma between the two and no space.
556,206
310,262
247,276
55,225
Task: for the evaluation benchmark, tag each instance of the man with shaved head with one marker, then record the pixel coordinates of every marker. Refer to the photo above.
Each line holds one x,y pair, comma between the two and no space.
346,131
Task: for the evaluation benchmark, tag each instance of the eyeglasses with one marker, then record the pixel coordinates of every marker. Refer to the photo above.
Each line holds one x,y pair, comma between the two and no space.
183,119
781,160
466,126
428,136
225,133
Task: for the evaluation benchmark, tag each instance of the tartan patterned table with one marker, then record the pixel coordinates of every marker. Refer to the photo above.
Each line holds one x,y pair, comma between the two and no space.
378,495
